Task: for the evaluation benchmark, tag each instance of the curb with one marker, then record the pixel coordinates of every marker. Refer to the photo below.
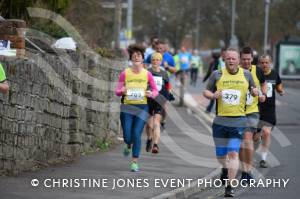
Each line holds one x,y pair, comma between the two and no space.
185,192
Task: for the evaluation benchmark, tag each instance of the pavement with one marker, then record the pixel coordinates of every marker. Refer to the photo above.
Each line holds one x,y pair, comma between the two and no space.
186,158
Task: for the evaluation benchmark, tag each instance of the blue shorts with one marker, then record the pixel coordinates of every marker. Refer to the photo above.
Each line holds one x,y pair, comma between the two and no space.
227,138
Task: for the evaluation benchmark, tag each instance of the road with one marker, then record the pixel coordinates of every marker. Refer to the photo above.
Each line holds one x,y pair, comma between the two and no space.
187,152
285,156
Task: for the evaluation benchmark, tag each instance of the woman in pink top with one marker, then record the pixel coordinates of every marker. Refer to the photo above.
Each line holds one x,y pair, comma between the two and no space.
133,87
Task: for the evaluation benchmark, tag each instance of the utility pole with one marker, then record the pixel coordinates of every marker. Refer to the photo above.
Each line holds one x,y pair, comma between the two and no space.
129,19
233,19
234,43
197,24
117,23
267,8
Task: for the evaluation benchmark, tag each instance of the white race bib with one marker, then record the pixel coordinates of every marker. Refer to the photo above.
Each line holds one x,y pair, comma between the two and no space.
184,59
230,96
269,89
135,94
249,100
159,82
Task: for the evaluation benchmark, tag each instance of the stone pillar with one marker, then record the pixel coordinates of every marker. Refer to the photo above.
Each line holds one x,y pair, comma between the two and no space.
14,31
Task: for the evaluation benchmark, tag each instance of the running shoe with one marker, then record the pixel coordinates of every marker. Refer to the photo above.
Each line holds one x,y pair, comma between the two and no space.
246,178
134,167
162,126
263,164
224,175
171,97
155,149
229,192
207,111
148,145
126,150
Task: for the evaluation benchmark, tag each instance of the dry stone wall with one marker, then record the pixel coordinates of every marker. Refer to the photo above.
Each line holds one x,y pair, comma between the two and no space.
58,106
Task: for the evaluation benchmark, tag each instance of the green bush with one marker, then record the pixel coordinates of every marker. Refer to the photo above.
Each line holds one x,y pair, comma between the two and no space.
103,145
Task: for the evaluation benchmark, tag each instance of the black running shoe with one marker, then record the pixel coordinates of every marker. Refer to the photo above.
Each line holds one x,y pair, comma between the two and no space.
171,97
228,192
148,145
263,164
224,175
245,178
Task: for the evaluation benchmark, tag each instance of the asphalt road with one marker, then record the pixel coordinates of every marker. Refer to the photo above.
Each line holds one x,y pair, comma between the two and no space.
187,152
284,158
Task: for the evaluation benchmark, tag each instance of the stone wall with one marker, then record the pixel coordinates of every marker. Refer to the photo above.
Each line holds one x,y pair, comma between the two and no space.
57,107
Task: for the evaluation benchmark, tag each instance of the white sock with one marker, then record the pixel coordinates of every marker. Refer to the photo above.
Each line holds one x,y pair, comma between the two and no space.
264,155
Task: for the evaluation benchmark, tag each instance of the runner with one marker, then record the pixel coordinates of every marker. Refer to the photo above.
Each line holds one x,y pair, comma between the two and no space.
213,65
229,87
4,87
268,108
222,58
156,106
185,58
132,86
168,64
151,48
177,66
196,64
167,59
252,113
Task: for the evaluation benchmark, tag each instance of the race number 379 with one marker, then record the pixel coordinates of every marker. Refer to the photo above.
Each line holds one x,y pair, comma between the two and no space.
230,96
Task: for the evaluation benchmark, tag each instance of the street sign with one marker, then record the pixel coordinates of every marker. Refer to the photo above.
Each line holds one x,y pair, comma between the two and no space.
288,60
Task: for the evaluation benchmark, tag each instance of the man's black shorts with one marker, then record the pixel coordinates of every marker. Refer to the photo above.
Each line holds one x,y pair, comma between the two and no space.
155,107
267,118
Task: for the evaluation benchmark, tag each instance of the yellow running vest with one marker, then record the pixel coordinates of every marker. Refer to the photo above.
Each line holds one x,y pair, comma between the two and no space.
252,102
234,89
136,85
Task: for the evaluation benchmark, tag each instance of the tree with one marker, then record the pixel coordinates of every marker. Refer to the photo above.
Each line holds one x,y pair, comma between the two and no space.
171,20
17,8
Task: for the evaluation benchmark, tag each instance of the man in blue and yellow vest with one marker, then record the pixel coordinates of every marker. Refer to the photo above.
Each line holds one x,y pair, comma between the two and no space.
252,112
229,87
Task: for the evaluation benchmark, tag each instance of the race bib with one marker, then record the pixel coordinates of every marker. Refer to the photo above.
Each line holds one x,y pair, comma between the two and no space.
135,94
231,96
159,82
269,89
249,100
184,59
